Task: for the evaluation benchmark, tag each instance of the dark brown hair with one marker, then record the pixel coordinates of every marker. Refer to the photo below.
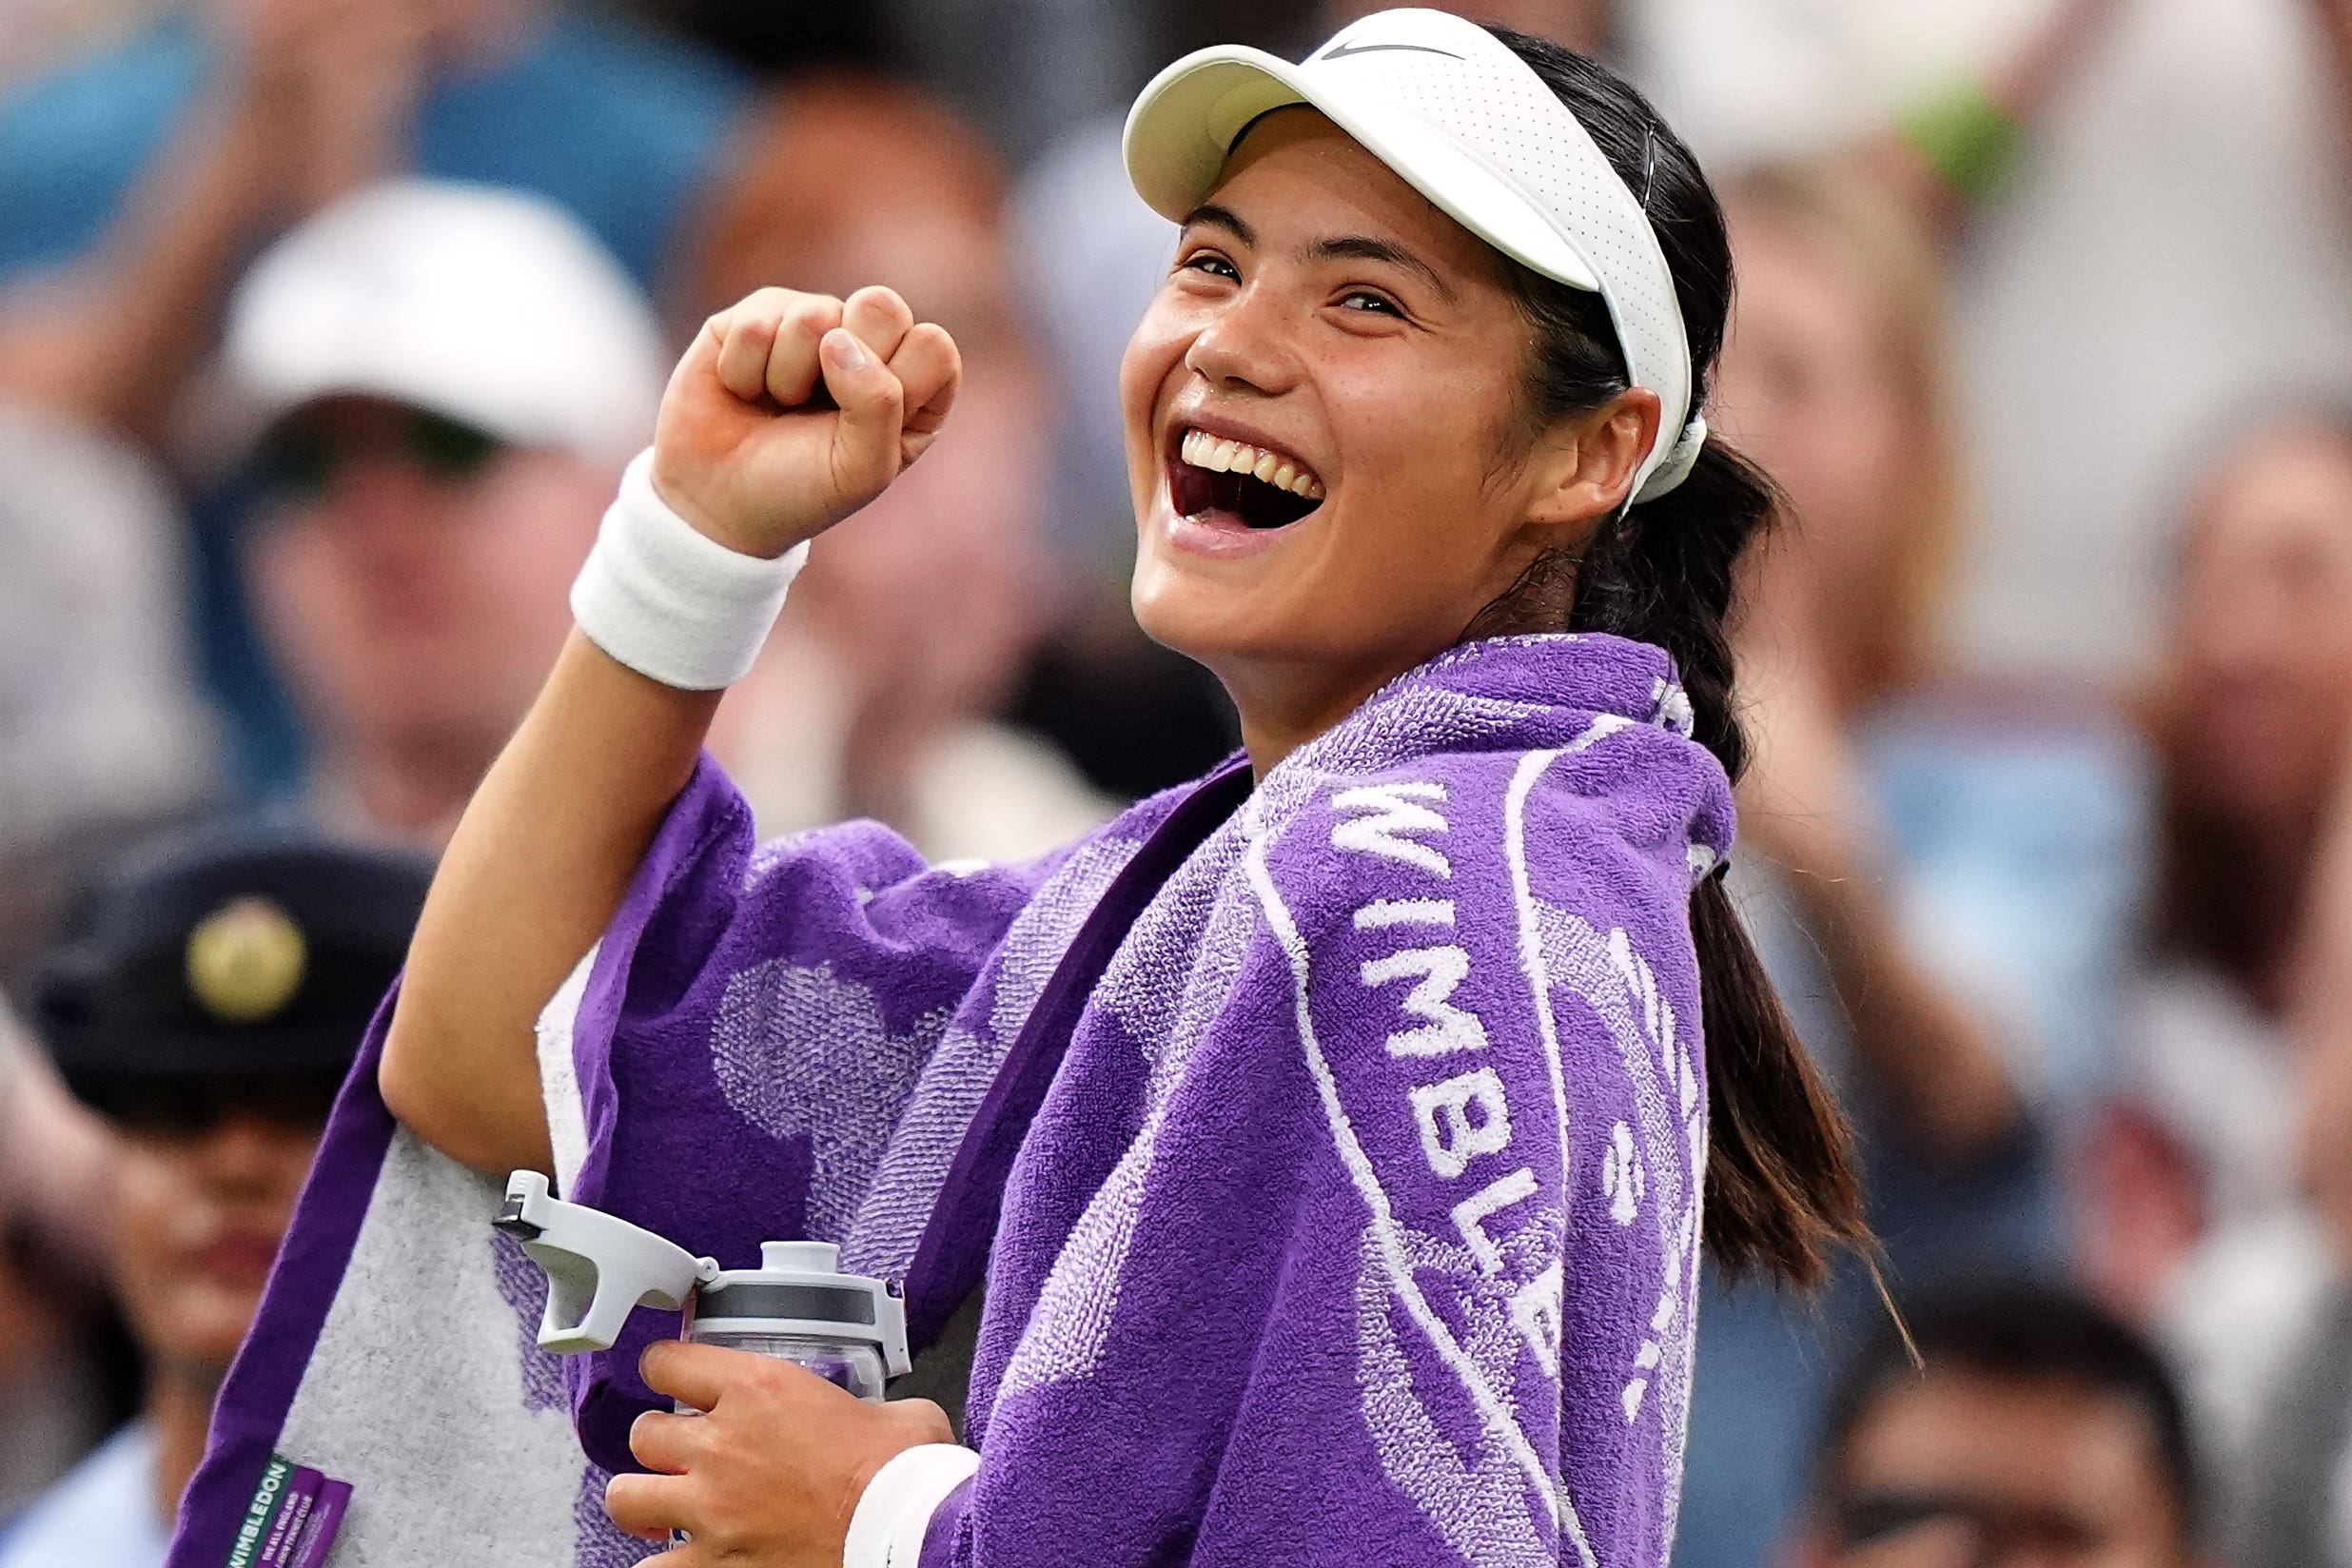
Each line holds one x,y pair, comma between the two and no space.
1781,1190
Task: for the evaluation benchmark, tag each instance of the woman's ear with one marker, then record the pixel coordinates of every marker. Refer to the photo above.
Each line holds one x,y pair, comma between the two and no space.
1584,466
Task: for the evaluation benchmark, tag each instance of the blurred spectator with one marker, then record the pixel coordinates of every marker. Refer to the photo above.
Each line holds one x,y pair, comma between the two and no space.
2198,1222
1023,70
60,1374
449,380
2169,242
102,735
1993,818
1958,146
845,176
2040,1431
150,173
136,184
1941,877
207,1000
1876,86
2293,1477
2293,1467
283,104
907,630
1029,69
103,730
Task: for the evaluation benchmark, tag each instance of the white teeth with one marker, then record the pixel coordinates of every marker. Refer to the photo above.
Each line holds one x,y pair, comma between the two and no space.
1219,456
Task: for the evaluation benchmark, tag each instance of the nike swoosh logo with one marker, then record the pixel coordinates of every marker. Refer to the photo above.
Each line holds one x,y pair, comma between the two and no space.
1342,50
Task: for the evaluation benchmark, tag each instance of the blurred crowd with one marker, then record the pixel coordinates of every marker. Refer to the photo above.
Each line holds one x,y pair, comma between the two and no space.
327,325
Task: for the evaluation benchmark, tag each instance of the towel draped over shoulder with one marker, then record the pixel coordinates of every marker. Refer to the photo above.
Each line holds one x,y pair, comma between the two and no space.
1329,1151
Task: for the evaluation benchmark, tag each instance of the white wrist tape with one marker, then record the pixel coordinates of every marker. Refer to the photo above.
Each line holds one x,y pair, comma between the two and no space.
671,603
894,1514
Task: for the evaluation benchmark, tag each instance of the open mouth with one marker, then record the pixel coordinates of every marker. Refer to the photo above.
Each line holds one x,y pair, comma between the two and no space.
1217,481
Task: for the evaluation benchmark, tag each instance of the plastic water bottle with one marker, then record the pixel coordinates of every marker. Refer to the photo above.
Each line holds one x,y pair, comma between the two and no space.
849,1329
797,1306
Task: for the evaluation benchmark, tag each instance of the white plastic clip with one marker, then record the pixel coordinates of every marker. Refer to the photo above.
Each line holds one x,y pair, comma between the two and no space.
598,1267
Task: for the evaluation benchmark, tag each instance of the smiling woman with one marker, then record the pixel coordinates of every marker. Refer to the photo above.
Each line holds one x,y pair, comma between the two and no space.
1306,1167
1324,317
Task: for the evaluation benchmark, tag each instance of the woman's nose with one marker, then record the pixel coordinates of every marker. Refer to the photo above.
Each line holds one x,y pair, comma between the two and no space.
1247,346
244,1153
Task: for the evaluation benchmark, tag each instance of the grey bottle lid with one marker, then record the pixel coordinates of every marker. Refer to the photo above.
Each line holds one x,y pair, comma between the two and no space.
601,1268
799,1291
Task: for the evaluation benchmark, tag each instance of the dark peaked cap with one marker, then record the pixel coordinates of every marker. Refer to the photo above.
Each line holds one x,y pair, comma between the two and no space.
225,956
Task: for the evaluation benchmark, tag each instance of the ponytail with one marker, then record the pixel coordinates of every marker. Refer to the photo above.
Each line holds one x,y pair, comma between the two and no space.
1781,1188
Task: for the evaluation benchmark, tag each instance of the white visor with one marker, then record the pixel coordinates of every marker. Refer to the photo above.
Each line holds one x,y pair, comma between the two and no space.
1469,124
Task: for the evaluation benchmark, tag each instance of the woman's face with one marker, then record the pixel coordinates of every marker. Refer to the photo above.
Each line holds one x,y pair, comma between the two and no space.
418,603
2262,643
1359,352
198,1217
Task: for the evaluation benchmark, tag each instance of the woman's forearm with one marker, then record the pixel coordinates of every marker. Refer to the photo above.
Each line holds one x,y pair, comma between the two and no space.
537,868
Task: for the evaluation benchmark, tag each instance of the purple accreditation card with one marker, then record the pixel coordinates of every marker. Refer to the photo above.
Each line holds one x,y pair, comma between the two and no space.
296,1498
326,1518
292,1520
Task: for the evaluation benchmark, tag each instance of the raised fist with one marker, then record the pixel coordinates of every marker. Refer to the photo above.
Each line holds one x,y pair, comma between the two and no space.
790,411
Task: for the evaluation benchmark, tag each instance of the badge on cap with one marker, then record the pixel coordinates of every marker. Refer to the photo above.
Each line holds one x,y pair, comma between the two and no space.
246,960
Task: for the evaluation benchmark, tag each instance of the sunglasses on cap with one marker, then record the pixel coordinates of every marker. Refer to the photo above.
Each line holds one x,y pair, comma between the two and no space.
304,457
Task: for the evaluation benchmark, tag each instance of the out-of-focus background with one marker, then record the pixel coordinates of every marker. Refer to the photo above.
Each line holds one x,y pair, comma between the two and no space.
327,326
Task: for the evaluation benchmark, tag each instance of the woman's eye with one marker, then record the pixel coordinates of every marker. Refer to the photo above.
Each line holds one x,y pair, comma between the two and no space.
1210,263
1363,299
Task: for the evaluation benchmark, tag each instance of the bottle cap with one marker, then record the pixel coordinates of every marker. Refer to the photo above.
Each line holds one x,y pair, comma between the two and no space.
600,1267
799,1289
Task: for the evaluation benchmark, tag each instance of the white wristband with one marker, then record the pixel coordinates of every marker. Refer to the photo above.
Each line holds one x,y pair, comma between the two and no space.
671,603
895,1512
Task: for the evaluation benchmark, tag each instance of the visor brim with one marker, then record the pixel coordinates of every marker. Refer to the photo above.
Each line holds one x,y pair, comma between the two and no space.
1184,126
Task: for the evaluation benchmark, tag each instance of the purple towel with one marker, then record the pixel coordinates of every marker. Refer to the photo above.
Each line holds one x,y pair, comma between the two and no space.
1330,1151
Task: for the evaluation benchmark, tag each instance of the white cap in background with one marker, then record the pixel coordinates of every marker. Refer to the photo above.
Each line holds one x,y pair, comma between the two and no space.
488,306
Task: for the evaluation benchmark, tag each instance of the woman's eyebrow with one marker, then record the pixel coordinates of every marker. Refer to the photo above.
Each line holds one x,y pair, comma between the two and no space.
1363,247
1222,216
